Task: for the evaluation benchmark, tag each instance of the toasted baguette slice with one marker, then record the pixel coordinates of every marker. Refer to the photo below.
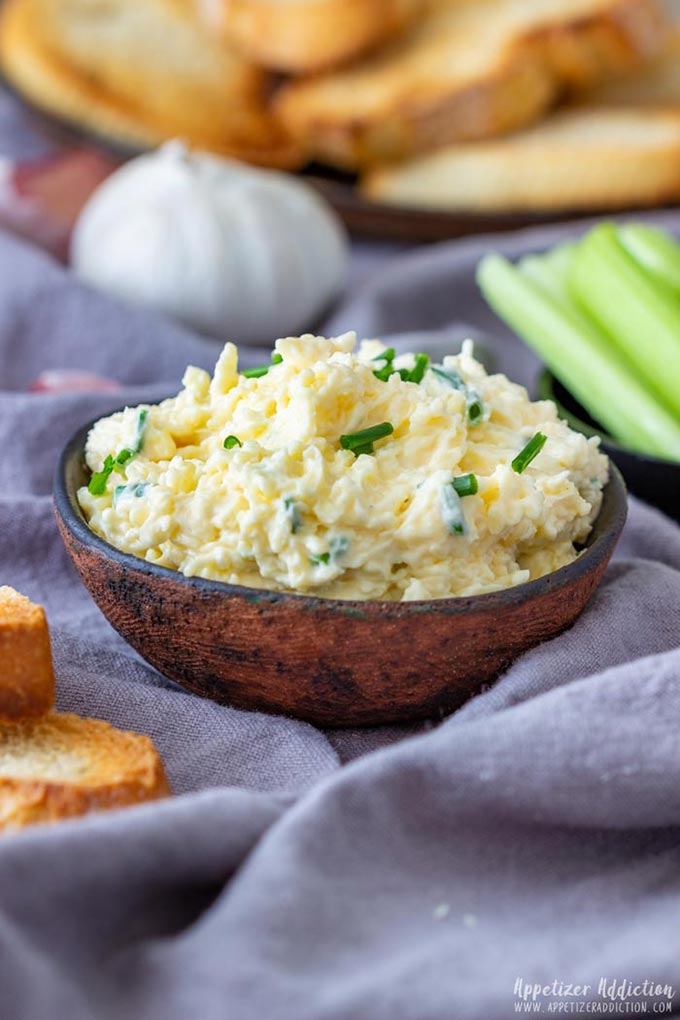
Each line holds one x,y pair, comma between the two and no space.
61,766
26,673
471,69
305,36
580,159
140,73
657,84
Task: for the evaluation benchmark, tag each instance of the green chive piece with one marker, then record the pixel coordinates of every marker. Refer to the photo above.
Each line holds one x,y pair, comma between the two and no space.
97,486
474,404
450,376
384,373
293,514
452,511
530,451
466,485
139,434
368,449
260,370
366,437
339,546
136,489
417,373
422,363
231,441
388,368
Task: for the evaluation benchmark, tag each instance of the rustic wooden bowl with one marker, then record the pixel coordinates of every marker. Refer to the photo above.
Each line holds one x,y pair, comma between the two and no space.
330,662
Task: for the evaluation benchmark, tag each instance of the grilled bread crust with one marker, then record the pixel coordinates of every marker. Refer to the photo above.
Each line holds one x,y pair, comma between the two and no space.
470,69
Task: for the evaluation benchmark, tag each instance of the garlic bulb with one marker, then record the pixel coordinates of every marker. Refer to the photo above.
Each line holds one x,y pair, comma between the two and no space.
232,251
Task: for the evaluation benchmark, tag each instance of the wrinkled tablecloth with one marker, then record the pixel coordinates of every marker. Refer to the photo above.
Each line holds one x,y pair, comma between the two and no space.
427,872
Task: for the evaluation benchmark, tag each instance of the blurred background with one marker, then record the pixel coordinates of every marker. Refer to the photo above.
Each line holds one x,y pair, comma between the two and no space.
417,119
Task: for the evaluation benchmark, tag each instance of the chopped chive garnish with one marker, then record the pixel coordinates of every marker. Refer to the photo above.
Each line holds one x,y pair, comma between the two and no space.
231,441
452,511
475,407
450,376
474,404
339,546
385,372
417,373
419,369
388,368
97,484
260,370
139,434
414,375
466,485
531,450
358,441
367,448
293,514
136,489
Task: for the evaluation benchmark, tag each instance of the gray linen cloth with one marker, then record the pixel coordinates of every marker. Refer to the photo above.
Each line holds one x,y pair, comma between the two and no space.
404,873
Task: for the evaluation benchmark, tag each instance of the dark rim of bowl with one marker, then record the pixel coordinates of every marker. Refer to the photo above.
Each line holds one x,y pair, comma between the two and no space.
68,509
545,390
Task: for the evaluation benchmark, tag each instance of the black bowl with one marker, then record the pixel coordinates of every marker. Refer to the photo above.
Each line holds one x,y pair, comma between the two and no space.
652,479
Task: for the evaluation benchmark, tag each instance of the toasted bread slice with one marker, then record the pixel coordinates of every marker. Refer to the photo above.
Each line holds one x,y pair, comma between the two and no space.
579,159
62,766
26,673
657,84
471,69
306,36
140,73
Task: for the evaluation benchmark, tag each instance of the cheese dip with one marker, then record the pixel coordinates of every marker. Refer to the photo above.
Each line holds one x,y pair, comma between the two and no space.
346,475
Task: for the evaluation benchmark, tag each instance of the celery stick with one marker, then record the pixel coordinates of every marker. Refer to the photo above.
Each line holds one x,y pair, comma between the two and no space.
654,250
576,351
640,316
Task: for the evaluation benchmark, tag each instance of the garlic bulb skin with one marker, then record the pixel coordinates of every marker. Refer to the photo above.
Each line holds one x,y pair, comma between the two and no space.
231,251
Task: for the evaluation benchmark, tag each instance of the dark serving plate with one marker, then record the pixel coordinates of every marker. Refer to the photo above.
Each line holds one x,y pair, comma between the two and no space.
362,217
654,480
332,662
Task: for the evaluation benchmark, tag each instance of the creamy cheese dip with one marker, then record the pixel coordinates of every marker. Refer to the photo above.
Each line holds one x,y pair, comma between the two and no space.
286,507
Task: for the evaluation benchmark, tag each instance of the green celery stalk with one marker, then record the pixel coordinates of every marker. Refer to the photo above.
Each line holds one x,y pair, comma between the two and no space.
641,317
533,299
654,250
